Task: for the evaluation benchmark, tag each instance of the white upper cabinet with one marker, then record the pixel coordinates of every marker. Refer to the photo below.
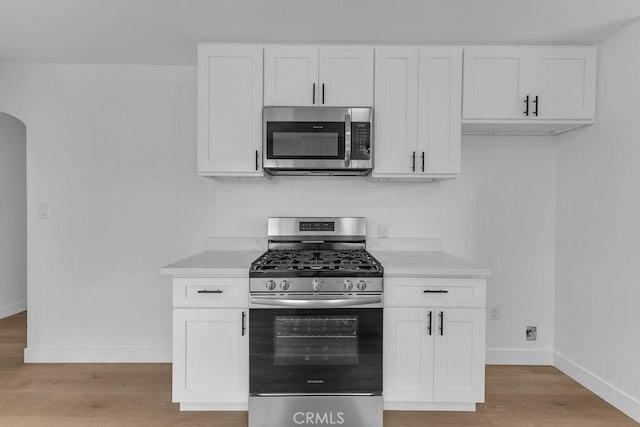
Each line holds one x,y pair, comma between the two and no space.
396,110
565,82
495,82
528,90
417,112
291,75
312,76
229,110
439,110
346,76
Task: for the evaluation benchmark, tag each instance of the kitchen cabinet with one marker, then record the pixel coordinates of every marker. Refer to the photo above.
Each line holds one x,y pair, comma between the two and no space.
318,76
528,90
434,349
210,356
230,110
417,112
210,343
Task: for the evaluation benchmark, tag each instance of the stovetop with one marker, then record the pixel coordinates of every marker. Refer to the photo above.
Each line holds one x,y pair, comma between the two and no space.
316,263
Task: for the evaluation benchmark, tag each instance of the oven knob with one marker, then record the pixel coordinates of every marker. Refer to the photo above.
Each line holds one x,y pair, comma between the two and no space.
284,285
271,285
362,285
316,284
348,285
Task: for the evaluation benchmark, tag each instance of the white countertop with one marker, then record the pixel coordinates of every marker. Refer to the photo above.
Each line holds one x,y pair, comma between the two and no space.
214,263
426,263
395,263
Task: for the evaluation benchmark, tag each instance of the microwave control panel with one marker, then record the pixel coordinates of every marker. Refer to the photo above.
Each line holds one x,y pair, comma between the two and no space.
360,141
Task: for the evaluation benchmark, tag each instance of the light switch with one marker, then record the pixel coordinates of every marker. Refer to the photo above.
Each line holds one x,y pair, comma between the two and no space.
43,210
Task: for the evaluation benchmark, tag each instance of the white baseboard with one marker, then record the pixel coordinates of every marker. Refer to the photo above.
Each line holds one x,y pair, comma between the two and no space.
517,356
610,393
13,308
98,354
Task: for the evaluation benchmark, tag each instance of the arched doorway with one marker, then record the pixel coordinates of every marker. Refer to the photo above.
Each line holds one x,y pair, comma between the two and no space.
13,216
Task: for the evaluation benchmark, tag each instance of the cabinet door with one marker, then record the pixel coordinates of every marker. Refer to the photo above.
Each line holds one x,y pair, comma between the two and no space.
229,110
396,110
439,110
346,76
459,355
210,355
291,75
564,80
496,82
408,355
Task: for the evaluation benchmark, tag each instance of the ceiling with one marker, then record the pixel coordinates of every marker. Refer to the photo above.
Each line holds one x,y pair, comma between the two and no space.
167,31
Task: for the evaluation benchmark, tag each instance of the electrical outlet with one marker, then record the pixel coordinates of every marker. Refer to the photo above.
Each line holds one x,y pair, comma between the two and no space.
532,333
494,313
43,210
383,230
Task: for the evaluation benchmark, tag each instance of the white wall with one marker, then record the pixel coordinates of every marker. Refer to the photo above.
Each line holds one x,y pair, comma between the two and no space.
499,213
112,149
13,216
598,234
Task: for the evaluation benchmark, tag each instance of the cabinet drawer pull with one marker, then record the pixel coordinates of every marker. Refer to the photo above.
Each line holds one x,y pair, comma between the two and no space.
535,102
441,323
244,322
435,291
413,161
314,94
430,322
423,161
526,103
256,159
207,291
323,93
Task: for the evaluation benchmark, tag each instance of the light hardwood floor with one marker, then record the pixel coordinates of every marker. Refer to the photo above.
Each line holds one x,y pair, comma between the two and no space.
140,395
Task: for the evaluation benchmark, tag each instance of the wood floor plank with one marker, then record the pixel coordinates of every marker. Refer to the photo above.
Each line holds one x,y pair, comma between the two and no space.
110,395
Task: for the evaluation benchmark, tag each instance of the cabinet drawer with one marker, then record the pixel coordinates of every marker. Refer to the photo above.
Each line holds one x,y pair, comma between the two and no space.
434,292
211,292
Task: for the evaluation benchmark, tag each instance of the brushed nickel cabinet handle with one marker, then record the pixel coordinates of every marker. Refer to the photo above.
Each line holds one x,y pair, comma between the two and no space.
207,291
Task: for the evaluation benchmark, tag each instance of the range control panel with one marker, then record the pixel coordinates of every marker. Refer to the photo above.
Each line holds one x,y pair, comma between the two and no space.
360,140
317,226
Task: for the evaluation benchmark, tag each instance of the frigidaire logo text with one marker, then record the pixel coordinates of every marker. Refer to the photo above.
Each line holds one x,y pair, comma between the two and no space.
315,381
319,418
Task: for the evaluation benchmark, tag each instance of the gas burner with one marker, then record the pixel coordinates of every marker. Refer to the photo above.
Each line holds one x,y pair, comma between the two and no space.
300,262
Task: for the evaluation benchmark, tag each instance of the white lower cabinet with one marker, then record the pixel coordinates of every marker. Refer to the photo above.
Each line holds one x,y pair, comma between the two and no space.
434,357
211,358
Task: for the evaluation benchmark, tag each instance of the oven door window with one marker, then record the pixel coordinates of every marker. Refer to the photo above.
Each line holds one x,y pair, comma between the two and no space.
305,140
315,340
315,350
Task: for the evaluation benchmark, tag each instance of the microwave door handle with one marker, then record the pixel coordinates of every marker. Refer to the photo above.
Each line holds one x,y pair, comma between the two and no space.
347,140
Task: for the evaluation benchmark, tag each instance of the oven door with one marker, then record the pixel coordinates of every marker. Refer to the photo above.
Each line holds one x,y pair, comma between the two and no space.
315,351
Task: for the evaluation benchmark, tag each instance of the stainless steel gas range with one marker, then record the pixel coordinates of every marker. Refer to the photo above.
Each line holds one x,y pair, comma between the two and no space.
315,326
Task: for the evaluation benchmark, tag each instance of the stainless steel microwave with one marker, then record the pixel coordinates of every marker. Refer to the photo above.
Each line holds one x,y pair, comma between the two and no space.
317,140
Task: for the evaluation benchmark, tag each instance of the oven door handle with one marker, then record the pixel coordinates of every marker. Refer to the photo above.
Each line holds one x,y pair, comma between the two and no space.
316,303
